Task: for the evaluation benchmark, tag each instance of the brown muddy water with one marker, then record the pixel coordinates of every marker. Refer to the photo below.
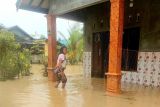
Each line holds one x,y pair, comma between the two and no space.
37,91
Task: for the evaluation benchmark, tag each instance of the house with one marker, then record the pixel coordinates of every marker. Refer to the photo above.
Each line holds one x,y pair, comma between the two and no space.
21,36
26,41
122,37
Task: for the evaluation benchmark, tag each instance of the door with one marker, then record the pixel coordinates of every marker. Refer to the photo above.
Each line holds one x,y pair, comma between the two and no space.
100,54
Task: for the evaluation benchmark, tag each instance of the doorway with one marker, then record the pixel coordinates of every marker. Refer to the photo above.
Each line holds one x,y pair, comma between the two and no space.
130,50
100,54
100,51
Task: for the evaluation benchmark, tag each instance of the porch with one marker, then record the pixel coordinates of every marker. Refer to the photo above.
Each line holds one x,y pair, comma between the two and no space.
113,16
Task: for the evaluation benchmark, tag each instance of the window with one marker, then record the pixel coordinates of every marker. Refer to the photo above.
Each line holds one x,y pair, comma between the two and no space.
130,49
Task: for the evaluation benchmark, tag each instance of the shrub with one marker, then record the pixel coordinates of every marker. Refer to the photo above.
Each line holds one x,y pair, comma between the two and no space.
13,60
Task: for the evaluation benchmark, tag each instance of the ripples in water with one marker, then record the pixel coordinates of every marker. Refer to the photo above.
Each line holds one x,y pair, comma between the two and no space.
37,91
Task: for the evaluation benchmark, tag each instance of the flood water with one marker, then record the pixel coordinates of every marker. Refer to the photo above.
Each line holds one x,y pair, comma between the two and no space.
37,91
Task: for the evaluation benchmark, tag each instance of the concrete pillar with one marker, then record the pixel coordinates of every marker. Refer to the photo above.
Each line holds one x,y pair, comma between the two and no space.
115,46
51,28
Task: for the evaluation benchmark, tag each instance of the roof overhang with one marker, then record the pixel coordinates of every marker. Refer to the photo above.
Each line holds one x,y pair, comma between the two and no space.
41,6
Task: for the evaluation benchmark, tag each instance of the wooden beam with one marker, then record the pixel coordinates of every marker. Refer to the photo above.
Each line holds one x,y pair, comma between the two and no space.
51,27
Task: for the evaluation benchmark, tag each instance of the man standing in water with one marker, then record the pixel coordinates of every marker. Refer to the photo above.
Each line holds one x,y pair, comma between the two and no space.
60,67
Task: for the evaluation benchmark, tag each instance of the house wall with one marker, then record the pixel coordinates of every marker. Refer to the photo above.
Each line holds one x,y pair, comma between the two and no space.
97,20
93,23
150,34
149,48
149,23
148,69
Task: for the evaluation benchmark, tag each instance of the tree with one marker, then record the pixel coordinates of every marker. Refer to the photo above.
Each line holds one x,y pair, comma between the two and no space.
74,43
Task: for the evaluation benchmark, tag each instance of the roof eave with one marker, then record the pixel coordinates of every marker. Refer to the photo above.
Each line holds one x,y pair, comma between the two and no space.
38,9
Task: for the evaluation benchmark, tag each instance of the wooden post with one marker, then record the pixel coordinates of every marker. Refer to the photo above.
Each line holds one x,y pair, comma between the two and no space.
115,46
51,27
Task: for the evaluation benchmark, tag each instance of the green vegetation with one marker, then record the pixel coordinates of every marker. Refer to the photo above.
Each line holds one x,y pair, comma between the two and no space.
38,47
14,61
74,44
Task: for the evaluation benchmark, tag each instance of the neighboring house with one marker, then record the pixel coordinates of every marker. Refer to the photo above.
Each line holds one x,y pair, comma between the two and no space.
38,51
21,36
27,41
